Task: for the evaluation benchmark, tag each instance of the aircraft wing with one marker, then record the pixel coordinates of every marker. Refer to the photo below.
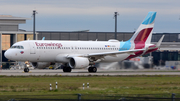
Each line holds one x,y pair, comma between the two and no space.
105,53
115,52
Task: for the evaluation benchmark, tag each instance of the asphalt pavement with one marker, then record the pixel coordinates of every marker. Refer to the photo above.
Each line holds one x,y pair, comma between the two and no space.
84,72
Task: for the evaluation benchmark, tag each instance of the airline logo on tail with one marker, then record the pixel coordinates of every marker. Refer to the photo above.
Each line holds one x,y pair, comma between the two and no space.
143,34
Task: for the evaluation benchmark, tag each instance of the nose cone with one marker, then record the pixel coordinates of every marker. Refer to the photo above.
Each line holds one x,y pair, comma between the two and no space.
7,54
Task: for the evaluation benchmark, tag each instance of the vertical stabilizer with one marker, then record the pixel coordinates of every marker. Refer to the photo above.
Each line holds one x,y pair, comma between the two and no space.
143,34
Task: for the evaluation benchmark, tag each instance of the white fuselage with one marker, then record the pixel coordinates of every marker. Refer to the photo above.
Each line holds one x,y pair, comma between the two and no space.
57,51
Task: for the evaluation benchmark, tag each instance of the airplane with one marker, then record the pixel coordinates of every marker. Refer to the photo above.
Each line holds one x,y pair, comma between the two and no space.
84,54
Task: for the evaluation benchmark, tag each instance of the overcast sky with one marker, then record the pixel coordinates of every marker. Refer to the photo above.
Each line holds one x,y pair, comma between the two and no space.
93,15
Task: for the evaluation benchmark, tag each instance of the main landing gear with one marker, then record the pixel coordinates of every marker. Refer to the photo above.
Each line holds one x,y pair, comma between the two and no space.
92,69
66,68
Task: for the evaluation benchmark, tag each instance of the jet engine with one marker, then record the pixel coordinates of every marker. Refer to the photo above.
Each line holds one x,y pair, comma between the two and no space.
41,65
78,62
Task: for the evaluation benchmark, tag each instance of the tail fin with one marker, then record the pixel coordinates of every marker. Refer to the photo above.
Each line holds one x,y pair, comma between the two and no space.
143,34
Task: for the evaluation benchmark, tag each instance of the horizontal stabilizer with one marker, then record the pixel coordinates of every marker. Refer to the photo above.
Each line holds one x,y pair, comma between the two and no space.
160,41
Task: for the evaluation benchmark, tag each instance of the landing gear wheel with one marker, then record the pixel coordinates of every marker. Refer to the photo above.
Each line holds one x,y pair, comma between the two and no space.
67,69
92,69
89,69
26,70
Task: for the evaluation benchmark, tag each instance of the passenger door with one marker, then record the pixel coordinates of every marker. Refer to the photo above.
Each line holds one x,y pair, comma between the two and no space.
32,48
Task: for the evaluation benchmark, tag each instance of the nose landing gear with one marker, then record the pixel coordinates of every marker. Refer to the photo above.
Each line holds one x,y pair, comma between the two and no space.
26,65
26,69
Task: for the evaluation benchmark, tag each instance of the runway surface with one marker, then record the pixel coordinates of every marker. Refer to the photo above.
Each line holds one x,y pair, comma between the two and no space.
84,72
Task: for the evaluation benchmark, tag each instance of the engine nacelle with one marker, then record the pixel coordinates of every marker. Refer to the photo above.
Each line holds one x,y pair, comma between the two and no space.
78,62
41,65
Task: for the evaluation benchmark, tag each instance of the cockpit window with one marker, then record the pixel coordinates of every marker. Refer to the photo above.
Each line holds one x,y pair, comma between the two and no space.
21,47
18,47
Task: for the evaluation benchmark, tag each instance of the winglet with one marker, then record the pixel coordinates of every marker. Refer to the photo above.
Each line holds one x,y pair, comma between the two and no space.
160,41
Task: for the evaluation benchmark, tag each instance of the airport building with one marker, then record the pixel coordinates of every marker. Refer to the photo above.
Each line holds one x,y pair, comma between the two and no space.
10,33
